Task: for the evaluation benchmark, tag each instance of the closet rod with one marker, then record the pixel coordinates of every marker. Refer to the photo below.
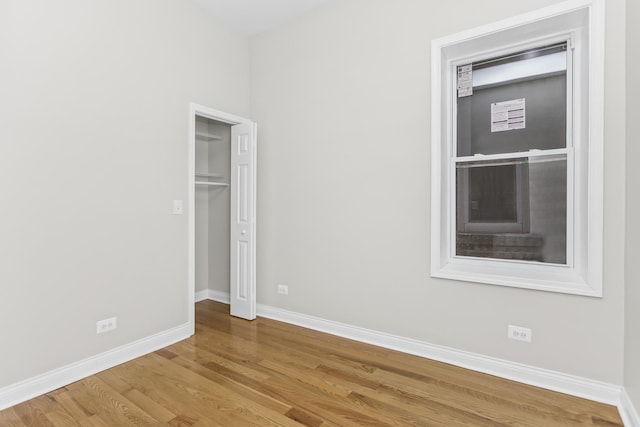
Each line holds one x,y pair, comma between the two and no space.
213,184
209,175
208,136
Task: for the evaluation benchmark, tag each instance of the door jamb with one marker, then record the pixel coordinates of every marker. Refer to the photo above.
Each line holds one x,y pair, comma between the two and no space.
210,113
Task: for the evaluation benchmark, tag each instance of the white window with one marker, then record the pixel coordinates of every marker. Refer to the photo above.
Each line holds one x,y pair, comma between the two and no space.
517,117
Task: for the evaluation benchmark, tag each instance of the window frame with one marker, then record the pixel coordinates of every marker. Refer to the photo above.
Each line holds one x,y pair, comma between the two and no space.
568,39
581,24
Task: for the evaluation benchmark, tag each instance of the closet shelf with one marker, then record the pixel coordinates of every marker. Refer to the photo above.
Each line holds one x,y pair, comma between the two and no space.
209,175
208,136
212,184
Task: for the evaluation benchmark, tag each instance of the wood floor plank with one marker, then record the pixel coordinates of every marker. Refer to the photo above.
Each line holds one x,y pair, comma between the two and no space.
364,362
10,418
114,381
403,391
253,388
233,372
189,410
204,356
34,411
149,406
236,405
99,398
357,400
95,421
66,402
235,383
62,418
208,394
390,399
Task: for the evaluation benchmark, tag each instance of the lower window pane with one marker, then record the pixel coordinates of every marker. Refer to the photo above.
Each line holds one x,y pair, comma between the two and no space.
513,209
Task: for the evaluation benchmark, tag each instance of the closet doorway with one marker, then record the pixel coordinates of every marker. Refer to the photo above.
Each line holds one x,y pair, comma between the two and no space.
222,210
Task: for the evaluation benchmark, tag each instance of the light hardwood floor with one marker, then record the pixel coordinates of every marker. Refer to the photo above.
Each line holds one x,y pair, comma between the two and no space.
266,373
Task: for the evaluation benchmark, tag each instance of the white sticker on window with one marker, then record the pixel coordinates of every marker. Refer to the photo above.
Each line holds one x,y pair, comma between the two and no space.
508,115
465,80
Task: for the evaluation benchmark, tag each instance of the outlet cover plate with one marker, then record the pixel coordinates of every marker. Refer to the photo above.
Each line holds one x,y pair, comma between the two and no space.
283,289
519,333
106,325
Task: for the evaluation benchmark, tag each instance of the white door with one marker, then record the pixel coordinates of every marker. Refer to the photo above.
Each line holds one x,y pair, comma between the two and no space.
243,221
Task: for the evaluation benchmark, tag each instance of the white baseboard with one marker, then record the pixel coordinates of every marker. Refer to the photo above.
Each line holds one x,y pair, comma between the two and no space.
52,380
202,295
222,297
544,378
552,380
628,412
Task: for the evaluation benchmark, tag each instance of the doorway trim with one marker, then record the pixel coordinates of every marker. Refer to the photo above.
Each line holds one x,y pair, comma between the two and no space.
210,113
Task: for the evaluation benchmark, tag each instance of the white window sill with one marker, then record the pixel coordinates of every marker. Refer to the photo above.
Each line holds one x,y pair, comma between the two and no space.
550,278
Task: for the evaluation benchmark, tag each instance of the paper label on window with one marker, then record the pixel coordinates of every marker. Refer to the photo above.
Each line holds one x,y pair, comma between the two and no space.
508,115
465,80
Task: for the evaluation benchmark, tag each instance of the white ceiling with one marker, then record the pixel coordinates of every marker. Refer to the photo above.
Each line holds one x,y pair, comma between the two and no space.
250,17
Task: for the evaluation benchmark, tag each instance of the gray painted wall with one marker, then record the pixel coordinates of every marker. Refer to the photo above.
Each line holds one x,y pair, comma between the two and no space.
94,130
219,211
342,99
632,273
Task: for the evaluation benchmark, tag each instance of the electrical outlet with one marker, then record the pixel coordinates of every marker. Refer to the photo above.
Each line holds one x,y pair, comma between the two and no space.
106,325
519,333
283,289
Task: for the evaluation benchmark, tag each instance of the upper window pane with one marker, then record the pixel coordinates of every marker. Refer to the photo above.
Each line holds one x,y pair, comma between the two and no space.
537,79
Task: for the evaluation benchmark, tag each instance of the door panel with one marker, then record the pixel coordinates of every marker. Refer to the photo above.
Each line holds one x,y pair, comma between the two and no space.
243,268
243,220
